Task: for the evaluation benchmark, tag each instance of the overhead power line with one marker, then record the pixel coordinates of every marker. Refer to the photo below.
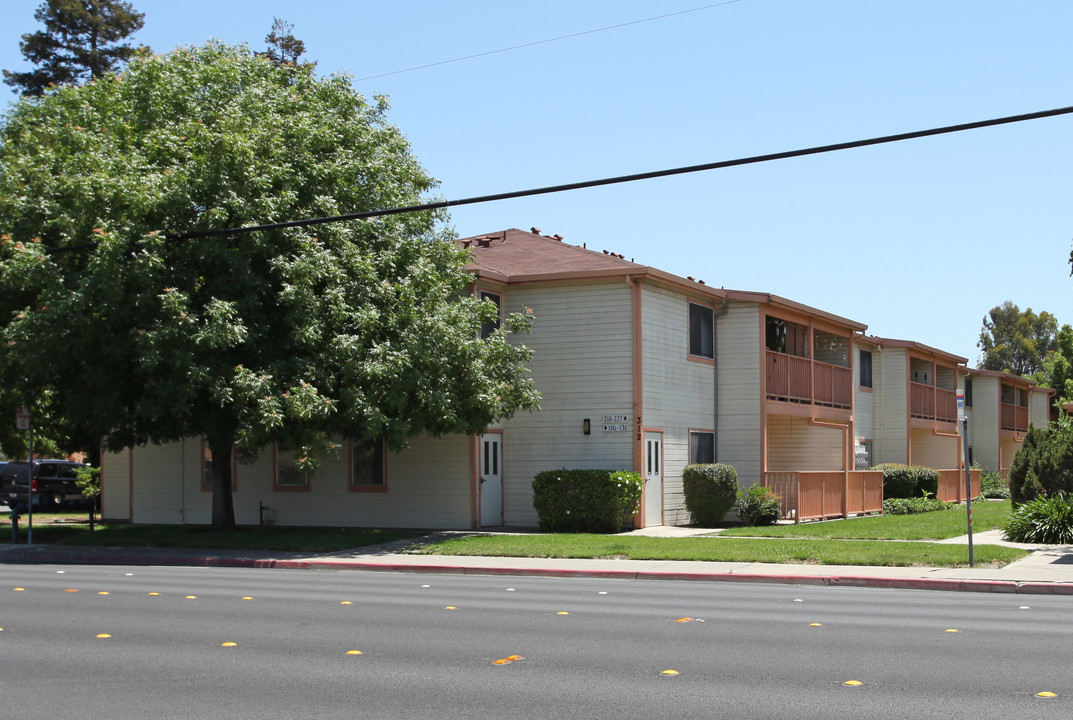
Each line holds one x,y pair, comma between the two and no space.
635,177
544,42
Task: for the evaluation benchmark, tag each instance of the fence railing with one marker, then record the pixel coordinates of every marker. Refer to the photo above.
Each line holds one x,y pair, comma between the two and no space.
1013,417
932,403
825,494
819,495
952,485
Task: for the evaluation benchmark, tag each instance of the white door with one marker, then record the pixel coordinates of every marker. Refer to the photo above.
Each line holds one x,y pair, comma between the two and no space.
653,479
491,478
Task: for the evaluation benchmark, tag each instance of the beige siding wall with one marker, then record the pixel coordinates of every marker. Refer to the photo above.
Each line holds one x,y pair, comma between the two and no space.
892,411
583,367
115,485
935,451
429,486
739,363
794,444
1039,411
985,422
678,392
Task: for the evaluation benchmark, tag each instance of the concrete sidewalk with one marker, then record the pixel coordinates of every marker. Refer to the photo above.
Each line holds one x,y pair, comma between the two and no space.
1048,570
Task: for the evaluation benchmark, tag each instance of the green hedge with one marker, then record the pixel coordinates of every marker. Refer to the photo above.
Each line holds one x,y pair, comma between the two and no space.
908,481
710,491
597,501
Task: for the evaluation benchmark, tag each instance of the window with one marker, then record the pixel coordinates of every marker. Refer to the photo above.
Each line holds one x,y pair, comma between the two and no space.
489,327
968,392
1006,394
866,368
206,468
786,337
1022,397
701,446
288,476
701,331
367,466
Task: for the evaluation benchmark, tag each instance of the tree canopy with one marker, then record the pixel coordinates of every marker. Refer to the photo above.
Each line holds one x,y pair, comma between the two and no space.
1015,341
364,330
81,41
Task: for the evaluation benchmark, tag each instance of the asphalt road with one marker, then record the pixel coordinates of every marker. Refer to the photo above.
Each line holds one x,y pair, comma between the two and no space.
585,648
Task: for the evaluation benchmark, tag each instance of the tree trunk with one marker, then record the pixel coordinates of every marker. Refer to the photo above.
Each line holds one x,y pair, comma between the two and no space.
223,506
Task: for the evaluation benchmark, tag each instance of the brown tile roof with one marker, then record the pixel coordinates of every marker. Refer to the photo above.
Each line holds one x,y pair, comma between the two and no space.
517,252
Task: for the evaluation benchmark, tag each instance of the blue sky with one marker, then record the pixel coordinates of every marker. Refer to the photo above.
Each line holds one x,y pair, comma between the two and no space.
917,239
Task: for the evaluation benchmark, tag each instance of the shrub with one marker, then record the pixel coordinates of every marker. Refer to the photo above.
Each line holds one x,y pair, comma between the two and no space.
993,486
710,492
1044,519
598,501
914,505
1044,464
908,481
759,505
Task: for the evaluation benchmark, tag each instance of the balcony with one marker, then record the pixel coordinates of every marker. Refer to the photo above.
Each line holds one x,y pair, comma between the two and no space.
797,379
1013,417
932,403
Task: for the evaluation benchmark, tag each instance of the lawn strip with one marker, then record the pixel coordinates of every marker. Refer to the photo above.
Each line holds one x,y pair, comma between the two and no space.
716,549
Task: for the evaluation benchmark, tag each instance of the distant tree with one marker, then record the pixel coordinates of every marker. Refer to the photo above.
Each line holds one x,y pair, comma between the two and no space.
365,330
283,47
1015,341
1057,370
80,42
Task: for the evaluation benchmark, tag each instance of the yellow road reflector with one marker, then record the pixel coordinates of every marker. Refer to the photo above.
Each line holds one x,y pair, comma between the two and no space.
853,683
1046,694
685,619
562,612
1,629
450,607
71,590
515,658
502,661
229,644
346,602
815,624
191,597
103,592
353,652
247,598
20,589
104,635
153,594
951,630
669,672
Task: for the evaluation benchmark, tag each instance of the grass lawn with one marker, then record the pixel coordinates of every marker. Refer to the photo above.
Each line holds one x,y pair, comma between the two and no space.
937,525
821,552
292,539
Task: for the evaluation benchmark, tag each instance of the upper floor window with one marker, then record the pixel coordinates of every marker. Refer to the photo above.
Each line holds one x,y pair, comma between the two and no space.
490,326
866,368
701,331
968,392
1006,394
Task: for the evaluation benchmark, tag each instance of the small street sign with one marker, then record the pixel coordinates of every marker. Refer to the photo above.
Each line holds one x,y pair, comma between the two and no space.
22,419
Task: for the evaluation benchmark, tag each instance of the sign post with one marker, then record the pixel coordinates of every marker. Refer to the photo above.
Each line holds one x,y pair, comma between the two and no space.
22,422
964,422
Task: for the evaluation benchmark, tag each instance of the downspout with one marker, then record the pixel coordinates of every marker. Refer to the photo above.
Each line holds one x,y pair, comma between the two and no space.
715,378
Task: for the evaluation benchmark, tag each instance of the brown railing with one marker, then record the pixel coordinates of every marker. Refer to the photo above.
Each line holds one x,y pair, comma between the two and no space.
952,485
818,495
1014,417
797,379
932,403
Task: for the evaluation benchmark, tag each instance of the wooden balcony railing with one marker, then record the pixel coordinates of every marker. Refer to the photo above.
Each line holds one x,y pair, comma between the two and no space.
797,379
932,403
1013,417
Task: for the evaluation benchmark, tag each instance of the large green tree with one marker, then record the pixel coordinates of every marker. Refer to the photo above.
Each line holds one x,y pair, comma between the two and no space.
1057,370
81,41
364,329
1016,341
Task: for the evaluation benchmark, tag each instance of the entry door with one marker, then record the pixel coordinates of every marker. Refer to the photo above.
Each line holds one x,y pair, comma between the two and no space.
653,479
491,462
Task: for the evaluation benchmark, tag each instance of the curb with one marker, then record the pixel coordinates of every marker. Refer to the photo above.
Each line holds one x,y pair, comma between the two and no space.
943,584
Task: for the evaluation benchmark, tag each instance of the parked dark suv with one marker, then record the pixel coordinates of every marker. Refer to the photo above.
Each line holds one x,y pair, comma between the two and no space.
54,483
